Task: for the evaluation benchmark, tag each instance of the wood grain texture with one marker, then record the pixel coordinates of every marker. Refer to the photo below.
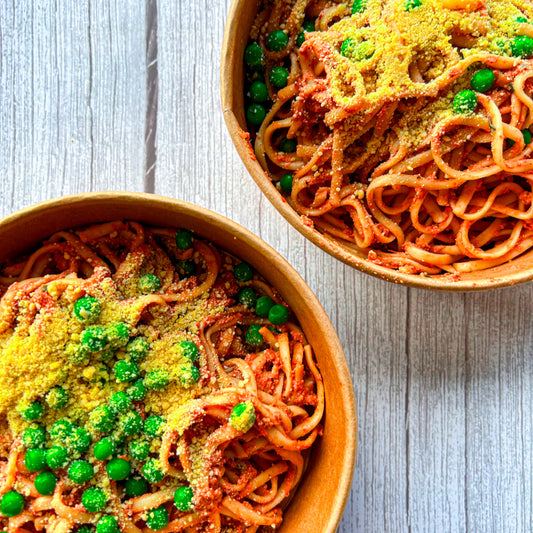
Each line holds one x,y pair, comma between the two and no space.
436,415
73,98
499,411
125,95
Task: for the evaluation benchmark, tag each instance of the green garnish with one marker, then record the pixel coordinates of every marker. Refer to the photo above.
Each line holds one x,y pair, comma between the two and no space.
242,416
87,309
45,483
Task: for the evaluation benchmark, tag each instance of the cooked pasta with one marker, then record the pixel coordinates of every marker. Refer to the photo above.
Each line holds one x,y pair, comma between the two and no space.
401,127
148,381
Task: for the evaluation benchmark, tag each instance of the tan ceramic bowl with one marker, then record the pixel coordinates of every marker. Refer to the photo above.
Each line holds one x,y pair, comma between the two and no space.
321,496
240,18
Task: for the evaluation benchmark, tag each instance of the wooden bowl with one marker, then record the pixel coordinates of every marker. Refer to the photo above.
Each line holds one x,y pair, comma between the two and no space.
240,19
321,496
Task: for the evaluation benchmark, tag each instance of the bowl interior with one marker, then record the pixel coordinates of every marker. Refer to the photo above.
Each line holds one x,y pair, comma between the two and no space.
240,19
322,494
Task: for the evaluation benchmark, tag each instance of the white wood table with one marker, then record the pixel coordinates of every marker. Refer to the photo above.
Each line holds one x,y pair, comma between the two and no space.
124,95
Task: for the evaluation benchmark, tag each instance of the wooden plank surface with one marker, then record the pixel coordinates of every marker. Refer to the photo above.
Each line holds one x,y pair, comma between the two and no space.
435,412
98,95
72,98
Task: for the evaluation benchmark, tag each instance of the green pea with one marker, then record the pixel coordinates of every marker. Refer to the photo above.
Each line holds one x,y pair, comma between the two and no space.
184,239
482,80
183,498
157,518
107,524
409,5
522,20
104,449
152,471
188,375
130,423
186,267
346,47
139,449
247,297
94,339
137,391
255,114
258,92
12,503
35,459
117,334
102,418
57,398
357,50
57,457
154,426
135,487
254,56
286,182
33,412
87,309
253,336
522,46
277,40
287,145
358,6
94,499
465,102
79,440
243,272
34,437
149,283
118,469
119,402
242,416
80,471
126,371
138,349
278,77
278,315
61,429
189,350
45,483
157,379
263,306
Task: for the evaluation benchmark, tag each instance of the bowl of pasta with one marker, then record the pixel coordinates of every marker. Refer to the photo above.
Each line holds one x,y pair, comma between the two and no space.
163,369
394,134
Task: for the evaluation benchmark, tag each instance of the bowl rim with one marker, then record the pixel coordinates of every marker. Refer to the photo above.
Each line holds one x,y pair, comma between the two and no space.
344,385
328,244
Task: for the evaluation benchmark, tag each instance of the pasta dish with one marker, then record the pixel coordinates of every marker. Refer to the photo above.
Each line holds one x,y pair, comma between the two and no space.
401,127
148,381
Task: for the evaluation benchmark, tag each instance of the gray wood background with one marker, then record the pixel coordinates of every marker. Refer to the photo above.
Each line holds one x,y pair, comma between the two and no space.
124,95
